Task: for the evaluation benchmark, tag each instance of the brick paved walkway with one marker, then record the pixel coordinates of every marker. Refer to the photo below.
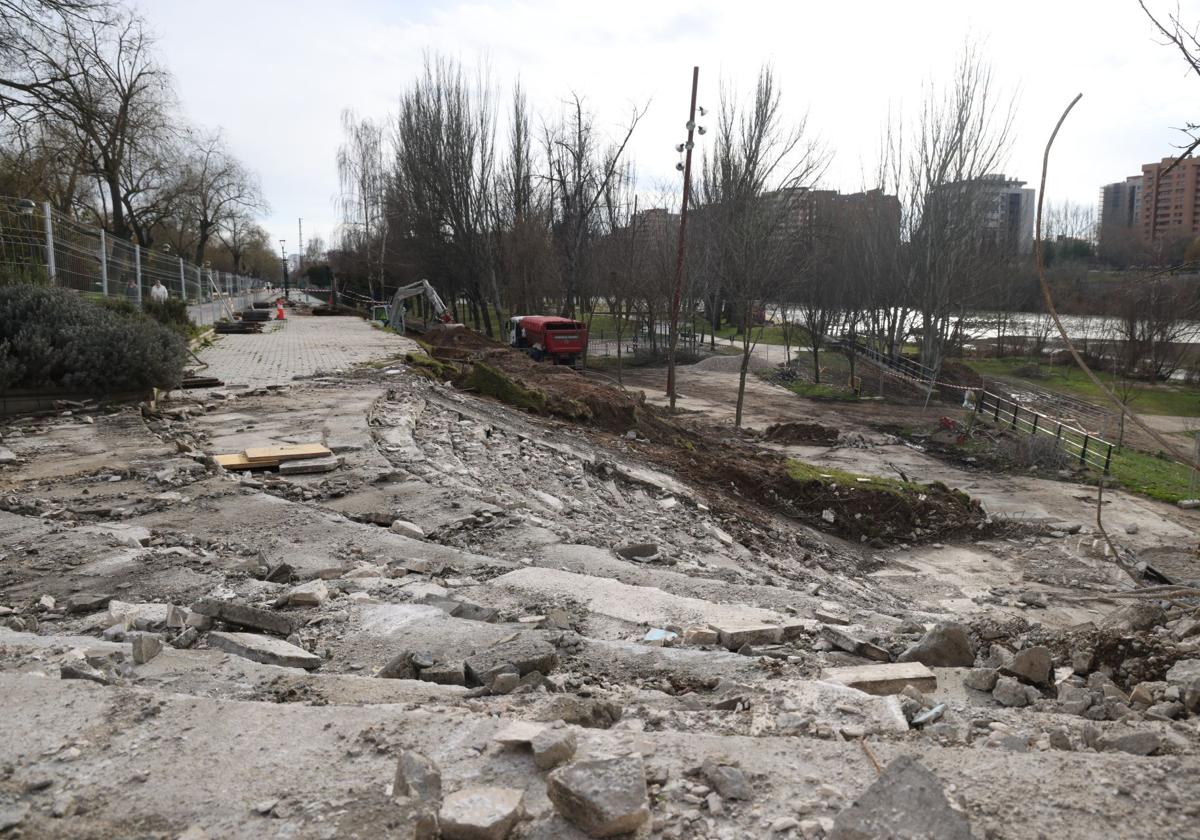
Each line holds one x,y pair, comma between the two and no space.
299,346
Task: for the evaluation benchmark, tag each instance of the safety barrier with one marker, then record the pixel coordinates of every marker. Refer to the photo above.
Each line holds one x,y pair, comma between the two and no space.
1088,449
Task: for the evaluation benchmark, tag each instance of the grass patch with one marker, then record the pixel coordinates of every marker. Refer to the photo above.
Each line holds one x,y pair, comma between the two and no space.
813,391
801,471
430,367
486,379
1150,475
1167,399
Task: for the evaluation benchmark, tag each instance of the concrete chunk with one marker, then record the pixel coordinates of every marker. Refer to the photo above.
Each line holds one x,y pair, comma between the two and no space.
603,797
482,813
906,801
310,465
884,679
244,616
264,649
311,594
734,636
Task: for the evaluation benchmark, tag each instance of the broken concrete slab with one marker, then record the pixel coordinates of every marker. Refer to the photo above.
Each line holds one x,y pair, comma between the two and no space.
604,797
733,636
552,747
146,646
264,649
1031,665
884,679
243,615
906,802
842,640
311,594
417,777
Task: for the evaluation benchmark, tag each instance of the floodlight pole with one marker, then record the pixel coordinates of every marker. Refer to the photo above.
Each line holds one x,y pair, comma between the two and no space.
683,211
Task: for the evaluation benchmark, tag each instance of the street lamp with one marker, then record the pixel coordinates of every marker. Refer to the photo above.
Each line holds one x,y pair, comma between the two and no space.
287,290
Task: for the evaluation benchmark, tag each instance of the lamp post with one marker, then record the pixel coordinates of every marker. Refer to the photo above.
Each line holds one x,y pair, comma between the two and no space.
686,166
287,290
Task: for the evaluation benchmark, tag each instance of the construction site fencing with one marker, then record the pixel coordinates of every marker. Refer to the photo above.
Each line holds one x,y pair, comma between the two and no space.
39,243
1081,446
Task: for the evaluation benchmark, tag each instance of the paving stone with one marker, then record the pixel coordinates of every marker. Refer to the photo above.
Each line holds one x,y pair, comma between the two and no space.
603,797
481,813
264,649
907,801
946,645
890,678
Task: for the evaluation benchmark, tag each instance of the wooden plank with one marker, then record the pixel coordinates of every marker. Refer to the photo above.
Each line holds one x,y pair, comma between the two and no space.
235,461
287,452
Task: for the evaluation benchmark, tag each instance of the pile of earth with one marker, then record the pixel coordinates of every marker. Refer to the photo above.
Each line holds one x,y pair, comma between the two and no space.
707,454
800,433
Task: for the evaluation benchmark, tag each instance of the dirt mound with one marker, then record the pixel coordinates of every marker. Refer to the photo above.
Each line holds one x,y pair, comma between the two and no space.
956,373
457,336
800,433
855,507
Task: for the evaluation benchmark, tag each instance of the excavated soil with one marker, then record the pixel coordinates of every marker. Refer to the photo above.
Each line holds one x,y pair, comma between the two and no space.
707,454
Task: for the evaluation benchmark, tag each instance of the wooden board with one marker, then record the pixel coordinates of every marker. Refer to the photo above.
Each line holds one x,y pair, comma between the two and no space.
236,461
272,455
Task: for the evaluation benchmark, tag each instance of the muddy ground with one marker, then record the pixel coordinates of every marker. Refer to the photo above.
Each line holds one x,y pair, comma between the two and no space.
470,565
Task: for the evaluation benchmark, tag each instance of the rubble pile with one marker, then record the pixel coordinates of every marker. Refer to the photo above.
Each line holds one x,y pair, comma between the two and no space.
487,624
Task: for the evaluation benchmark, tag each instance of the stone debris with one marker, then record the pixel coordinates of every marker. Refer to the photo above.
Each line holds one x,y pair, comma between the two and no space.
311,594
264,649
603,797
852,644
552,747
241,615
481,813
146,646
906,802
307,466
729,781
891,678
407,529
947,645
1032,665
417,777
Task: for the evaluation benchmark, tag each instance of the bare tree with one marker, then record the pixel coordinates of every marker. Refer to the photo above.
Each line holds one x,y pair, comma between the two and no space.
362,178
748,198
98,79
217,188
579,170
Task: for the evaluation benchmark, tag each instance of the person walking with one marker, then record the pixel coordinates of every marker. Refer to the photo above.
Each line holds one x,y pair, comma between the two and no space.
131,291
158,292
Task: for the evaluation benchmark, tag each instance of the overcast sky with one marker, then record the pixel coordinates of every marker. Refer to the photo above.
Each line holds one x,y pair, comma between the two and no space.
275,75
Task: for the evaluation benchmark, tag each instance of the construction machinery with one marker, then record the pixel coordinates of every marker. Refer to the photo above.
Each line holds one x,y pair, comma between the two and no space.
561,340
395,312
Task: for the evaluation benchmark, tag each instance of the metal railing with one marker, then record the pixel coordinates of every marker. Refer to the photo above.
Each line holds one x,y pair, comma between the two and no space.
1088,449
40,243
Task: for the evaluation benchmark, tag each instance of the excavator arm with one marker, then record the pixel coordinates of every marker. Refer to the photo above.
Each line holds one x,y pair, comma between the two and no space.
421,287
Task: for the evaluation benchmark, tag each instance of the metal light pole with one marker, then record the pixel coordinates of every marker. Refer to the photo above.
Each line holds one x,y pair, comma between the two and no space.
683,210
287,289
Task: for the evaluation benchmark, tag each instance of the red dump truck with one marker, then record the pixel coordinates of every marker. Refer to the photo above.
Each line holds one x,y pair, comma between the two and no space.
560,340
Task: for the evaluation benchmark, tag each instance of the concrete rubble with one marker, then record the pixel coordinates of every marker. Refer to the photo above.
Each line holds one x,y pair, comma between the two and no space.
480,623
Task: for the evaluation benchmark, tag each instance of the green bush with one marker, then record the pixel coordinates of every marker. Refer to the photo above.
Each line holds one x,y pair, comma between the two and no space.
52,337
171,312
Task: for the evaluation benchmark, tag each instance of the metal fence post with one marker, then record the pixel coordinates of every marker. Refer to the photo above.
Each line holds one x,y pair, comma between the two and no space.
103,263
1083,452
1035,423
199,286
1108,459
50,265
1016,410
137,270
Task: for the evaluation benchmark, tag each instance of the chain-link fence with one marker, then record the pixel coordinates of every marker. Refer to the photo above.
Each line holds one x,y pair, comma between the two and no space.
39,243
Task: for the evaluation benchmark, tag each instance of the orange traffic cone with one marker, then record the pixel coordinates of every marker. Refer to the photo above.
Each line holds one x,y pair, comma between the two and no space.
279,310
